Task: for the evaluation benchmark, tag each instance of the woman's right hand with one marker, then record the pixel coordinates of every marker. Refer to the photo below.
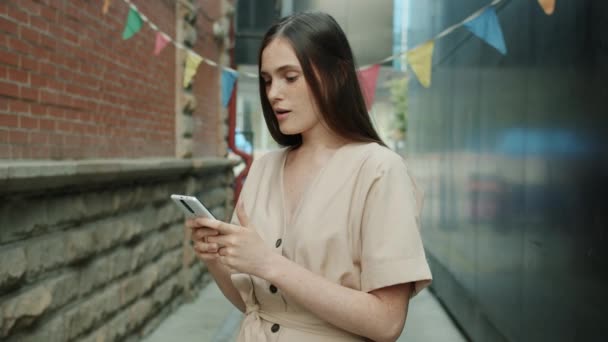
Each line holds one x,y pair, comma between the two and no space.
199,233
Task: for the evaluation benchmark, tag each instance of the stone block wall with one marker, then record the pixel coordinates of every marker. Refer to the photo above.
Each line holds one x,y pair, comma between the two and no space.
95,250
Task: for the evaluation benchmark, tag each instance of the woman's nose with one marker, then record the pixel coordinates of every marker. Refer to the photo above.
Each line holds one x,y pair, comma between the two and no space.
273,92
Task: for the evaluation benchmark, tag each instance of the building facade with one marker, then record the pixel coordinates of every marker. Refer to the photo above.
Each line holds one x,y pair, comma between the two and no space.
96,133
510,152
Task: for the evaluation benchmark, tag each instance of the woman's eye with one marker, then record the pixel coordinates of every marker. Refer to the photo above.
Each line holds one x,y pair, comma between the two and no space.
291,79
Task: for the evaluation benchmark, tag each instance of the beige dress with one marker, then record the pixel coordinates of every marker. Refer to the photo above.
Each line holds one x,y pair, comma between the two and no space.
356,225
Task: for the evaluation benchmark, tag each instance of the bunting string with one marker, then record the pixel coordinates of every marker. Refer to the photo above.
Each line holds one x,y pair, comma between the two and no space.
444,32
136,15
482,23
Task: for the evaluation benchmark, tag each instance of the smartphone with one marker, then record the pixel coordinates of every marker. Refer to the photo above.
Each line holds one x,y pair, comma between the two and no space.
191,206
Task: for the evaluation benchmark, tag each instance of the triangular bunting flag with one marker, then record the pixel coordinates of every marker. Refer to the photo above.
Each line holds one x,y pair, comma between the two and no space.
106,6
228,79
134,24
192,62
486,27
161,42
368,78
548,6
420,60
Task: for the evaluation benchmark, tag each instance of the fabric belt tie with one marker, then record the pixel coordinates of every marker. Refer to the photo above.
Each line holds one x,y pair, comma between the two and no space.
254,316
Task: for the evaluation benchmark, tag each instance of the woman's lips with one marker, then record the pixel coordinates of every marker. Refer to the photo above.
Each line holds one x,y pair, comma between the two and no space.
281,115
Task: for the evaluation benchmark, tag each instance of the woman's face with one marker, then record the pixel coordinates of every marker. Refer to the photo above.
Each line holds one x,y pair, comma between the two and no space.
287,89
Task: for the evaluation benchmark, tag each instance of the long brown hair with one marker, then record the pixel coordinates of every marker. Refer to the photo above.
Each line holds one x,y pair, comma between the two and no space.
329,69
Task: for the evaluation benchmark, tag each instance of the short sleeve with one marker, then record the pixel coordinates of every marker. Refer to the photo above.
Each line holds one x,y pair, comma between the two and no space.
391,247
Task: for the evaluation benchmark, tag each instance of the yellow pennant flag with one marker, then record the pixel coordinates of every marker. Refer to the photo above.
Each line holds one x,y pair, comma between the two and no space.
420,60
192,62
106,6
548,6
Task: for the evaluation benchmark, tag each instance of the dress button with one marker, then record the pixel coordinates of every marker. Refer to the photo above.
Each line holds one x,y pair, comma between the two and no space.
273,289
275,327
278,243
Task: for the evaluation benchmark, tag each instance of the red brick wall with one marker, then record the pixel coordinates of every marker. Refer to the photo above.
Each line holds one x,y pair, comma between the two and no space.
205,131
70,87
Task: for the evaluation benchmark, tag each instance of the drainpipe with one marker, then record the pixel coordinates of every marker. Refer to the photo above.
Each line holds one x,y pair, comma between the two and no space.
247,158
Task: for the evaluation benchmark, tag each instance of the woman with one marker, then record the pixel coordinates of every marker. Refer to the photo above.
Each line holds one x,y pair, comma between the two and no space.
324,243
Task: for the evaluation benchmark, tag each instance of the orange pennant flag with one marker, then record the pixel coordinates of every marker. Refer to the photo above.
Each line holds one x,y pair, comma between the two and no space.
548,6
106,6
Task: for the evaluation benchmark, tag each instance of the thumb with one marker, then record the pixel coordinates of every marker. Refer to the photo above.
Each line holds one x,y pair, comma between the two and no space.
242,214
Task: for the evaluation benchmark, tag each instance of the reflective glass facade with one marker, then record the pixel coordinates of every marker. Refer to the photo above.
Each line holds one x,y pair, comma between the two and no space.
511,152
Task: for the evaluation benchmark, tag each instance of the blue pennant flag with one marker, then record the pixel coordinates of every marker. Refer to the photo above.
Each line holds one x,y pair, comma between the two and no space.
228,79
486,27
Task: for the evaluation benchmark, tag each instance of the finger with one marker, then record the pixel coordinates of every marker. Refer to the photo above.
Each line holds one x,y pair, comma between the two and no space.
241,213
200,247
207,256
223,252
198,234
195,223
221,227
191,223
222,255
212,248
204,221
221,240
201,233
205,248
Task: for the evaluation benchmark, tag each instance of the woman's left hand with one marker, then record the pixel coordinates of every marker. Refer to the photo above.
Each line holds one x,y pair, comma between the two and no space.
241,247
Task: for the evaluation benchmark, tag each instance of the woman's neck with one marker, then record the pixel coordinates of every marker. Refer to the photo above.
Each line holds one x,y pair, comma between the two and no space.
321,138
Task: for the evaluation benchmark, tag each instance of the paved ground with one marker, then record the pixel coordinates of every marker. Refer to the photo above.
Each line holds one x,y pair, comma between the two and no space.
211,318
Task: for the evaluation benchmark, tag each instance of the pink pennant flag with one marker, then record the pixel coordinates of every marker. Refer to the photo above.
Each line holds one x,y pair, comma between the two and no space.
368,78
161,42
